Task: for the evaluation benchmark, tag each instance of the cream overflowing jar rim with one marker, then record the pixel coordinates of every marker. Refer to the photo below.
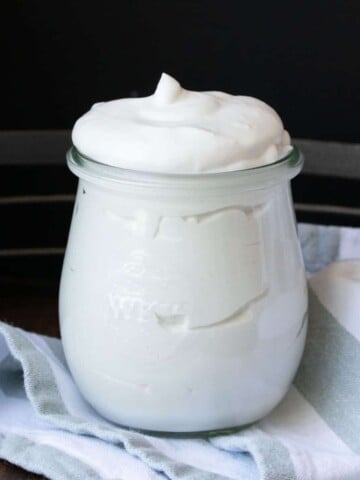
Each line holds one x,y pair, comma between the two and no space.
261,176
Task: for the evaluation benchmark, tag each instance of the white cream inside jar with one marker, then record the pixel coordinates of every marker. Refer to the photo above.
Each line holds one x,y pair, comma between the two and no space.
181,131
183,295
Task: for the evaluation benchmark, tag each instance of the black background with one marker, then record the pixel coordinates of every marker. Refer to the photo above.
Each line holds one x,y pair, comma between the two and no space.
59,57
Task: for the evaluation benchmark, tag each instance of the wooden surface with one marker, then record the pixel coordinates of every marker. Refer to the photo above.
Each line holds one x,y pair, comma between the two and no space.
11,472
30,304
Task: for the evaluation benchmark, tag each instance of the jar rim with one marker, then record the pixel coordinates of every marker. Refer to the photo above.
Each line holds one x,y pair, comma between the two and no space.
285,168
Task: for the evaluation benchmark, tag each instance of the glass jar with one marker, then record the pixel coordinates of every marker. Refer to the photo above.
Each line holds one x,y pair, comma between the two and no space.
183,301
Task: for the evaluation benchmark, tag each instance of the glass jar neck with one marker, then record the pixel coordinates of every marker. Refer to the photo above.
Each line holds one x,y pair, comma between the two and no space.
265,176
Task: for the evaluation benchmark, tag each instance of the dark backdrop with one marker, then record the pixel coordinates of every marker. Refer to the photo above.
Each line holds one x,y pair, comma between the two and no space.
59,57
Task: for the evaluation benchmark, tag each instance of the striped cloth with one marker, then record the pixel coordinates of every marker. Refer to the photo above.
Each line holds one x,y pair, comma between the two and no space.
314,434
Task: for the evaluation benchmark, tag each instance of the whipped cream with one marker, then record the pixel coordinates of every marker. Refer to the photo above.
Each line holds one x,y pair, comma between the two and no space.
182,308
183,315
181,131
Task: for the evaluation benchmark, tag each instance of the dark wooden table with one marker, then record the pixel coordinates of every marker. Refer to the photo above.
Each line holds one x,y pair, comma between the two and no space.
30,304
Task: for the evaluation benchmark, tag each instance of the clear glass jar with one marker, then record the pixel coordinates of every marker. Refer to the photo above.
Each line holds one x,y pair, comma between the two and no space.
183,301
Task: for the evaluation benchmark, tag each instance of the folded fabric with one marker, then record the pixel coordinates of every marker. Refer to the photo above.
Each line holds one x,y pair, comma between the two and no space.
322,245
314,434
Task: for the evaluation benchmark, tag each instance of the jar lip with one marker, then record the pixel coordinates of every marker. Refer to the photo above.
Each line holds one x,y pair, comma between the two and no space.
286,167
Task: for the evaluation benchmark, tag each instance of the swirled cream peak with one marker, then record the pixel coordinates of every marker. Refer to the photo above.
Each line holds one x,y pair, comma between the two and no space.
181,131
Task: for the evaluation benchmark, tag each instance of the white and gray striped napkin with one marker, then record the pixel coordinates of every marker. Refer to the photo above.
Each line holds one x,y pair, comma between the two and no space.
314,434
